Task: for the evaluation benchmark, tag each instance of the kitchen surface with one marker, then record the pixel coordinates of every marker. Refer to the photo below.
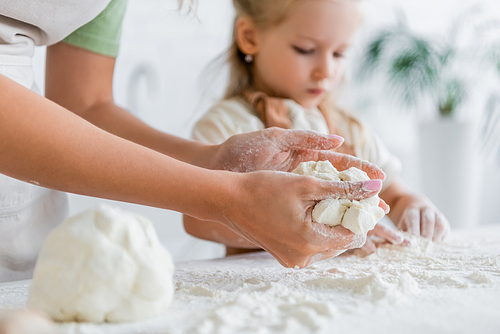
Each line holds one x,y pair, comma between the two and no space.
452,287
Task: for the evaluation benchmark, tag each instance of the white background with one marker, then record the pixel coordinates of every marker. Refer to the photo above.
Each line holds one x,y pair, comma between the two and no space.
162,77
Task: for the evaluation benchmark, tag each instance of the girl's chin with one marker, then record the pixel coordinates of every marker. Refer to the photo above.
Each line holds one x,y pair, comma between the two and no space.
308,104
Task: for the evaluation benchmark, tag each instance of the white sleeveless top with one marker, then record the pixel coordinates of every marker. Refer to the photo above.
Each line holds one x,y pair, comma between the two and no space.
27,212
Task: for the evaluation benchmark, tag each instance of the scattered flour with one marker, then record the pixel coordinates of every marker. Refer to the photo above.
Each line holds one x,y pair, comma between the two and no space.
357,216
310,300
450,287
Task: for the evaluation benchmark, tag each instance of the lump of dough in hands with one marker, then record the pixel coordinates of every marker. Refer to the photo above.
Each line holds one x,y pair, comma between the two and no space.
357,216
102,265
322,170
352,174
330,211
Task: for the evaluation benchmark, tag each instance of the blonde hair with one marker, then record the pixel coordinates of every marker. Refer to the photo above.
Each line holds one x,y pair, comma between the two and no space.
265,14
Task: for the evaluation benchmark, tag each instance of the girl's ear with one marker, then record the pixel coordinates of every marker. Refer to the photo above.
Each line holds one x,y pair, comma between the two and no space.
246,36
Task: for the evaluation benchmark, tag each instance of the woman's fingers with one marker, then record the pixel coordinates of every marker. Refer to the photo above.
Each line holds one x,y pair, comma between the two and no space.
346,161
384,206
333,237
302,139
346,189
340,161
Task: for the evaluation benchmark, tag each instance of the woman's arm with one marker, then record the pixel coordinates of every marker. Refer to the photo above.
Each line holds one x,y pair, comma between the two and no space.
43,143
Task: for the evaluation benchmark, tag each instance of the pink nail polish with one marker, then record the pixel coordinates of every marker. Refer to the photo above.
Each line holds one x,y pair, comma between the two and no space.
372,185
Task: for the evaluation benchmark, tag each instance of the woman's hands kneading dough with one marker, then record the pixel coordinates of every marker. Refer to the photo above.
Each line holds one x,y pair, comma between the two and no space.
273,209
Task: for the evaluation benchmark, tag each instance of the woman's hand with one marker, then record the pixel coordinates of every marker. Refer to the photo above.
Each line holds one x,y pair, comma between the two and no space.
273,210
283,150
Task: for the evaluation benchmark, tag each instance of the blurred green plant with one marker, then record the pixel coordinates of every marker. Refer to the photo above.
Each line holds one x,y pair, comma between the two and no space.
435,67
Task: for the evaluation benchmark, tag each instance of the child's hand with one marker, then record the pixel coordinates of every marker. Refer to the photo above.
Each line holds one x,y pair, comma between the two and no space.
419,216
385,233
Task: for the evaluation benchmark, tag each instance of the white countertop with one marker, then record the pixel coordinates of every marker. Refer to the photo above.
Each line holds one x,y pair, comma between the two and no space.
452,287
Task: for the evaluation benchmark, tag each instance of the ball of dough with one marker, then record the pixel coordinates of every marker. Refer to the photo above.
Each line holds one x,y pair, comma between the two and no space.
322,170
102,265
357,216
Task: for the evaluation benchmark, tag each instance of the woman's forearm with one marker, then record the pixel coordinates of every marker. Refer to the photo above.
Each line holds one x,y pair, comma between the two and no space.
45,144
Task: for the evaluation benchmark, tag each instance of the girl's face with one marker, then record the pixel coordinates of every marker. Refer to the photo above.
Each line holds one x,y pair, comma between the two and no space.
302,57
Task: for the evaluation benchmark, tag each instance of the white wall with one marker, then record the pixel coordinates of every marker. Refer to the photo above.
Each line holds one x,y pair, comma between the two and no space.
158,77
397,128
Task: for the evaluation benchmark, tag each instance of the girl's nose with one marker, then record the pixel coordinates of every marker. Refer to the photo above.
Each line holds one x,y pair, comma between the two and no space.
325,68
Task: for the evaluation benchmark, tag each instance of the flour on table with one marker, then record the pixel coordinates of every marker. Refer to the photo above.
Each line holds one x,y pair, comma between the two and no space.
448,287
357,216
260,297
102,265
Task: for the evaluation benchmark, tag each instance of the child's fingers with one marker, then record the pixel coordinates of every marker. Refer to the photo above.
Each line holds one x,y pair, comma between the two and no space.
441,227
411,220
369,247
388,233
427,222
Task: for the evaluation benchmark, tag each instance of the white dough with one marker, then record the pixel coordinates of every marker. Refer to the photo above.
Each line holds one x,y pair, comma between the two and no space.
102,265
357,216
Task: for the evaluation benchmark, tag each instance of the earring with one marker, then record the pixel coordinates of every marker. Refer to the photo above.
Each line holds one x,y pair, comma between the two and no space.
248,58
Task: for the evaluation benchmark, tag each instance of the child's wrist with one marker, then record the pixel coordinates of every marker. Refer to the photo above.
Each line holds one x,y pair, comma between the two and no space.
204,156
